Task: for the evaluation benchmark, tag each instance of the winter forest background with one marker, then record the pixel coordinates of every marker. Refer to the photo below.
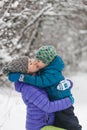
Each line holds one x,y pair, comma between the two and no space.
25,25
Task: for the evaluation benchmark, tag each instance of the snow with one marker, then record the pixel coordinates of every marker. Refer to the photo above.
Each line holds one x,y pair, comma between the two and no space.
80,94
4,55
83,31
15,4
1,4
13,110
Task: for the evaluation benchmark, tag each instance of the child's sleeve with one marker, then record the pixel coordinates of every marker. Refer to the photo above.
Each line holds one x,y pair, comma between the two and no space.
42,102
44,80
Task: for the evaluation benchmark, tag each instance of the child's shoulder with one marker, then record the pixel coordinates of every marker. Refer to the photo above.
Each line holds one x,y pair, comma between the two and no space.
56,64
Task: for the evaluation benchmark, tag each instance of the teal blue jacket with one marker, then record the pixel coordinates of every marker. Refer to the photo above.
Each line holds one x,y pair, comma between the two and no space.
48,79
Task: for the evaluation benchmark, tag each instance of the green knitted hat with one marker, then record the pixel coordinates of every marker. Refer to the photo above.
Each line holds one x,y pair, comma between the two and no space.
46,54
19,64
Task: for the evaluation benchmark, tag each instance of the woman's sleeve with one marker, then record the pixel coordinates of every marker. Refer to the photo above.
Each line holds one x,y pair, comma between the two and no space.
18,86
42,102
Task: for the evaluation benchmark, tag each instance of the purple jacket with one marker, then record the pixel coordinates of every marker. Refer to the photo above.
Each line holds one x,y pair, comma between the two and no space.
39,108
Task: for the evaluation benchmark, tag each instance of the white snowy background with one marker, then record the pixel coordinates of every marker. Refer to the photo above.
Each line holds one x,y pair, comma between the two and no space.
25,25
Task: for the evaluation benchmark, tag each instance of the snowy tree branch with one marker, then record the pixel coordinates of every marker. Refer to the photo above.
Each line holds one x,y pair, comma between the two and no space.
33,21
7,9
32,38
84,49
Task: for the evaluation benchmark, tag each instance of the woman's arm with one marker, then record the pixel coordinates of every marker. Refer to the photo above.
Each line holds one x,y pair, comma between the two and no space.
31,94
49,107
42,102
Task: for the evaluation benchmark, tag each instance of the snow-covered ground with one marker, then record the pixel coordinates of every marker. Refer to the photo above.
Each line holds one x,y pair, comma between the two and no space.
13,111
80,94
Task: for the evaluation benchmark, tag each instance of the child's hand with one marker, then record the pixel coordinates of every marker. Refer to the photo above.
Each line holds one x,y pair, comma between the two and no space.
15,77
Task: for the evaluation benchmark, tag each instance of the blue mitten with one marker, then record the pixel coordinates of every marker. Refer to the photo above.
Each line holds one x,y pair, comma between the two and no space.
15,77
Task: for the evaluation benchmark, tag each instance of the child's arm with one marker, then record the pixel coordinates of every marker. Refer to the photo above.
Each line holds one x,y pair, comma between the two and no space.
42,81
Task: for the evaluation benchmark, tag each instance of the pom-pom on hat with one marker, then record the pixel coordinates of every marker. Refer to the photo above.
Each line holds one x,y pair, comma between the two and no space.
19,64
46,54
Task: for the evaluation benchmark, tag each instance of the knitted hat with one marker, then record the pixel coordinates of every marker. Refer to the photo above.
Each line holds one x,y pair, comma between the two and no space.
19,64
46,54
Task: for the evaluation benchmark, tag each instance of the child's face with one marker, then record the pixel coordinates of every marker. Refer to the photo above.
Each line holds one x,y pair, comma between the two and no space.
32,66
40,64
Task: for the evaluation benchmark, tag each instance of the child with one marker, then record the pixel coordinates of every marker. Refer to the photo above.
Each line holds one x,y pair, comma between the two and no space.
51,79
39,108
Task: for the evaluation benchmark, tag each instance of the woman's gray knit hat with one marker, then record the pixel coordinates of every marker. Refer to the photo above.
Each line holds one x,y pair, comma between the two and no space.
19,64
